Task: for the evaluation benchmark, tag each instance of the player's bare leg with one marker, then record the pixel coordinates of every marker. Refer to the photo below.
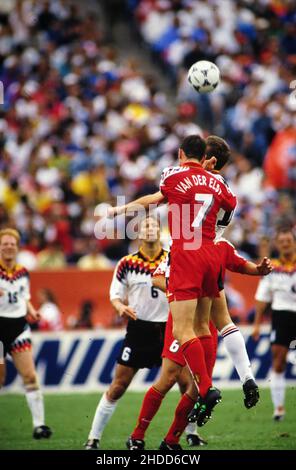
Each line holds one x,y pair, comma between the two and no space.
278,382
236,347
2,374
24,364
107,405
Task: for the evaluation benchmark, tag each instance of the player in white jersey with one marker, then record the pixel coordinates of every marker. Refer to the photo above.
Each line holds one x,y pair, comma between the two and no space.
146,308
278,290
15,335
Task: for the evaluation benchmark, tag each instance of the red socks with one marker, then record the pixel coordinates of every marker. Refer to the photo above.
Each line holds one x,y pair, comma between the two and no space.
208,346
150,406
180,422
193,353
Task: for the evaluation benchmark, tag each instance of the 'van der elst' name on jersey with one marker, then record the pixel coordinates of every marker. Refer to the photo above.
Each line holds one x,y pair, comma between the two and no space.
189,182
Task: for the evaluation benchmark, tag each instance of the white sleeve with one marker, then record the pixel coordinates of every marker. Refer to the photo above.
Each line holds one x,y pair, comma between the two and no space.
264,292
27,293
119,284
161,268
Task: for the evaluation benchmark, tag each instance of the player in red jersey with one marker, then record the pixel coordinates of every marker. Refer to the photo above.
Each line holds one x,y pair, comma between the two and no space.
173,360
195,197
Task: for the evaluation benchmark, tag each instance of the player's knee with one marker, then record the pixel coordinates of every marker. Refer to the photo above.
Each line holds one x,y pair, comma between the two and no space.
117,389
2,381
279,365
172,377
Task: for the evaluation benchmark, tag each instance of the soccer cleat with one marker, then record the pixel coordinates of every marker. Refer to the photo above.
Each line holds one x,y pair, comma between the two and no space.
42,432
194,440
135,444
202,410
279,414
92,444
251,392
165,446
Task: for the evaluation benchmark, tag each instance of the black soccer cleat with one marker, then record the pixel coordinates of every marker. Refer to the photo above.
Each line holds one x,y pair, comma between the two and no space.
203,408
164,446
194,440
92,444
251,392
42,432
135,444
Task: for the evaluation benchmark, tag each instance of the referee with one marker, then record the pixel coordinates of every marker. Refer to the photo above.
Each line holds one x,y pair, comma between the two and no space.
278,289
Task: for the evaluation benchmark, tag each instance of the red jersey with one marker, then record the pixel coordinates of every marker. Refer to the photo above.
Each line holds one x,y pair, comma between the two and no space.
195,197
230,259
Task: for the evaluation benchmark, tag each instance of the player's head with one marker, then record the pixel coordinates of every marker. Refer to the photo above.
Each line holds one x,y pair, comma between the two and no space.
9,244
193,147
218,148
285,242
149,230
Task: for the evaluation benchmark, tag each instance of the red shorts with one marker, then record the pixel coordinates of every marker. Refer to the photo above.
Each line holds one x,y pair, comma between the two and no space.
194,273
171,348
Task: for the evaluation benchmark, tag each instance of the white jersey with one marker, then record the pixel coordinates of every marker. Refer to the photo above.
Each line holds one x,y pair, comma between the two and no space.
14,292
279,287
223,217
132,281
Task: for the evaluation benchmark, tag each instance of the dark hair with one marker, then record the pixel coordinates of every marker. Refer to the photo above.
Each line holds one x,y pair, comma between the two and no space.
219,148
194,146
285,229
49,295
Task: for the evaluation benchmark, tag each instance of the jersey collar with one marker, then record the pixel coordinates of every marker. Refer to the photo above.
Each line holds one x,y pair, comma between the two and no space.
291,262
154,257
8,271
191,164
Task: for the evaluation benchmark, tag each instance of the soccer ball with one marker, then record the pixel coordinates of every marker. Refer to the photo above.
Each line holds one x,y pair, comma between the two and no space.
204,76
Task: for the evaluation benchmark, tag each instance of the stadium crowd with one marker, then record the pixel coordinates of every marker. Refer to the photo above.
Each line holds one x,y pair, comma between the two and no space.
79,126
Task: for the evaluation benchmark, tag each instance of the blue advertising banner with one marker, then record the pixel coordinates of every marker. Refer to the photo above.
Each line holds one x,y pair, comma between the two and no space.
85,361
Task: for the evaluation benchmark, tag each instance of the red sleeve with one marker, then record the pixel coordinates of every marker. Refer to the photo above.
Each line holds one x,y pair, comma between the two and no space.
234,262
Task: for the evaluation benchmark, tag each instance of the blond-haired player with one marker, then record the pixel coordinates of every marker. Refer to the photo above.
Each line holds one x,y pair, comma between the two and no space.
15,334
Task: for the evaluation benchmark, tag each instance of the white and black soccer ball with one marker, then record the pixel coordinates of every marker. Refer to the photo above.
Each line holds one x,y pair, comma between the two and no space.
204,76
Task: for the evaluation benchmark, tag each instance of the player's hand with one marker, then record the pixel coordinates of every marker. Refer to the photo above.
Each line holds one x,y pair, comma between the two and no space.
265,267
256,333
33,315
128,312
1,293
210,164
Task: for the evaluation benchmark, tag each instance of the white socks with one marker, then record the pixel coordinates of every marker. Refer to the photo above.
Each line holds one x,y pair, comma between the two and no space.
35,402
277,387
236,348
190,429
104,411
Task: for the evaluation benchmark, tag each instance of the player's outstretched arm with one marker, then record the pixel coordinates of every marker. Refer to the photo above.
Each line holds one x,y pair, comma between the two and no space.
142,202
261,269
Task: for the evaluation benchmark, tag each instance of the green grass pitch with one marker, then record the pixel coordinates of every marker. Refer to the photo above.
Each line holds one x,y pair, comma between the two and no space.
70,416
